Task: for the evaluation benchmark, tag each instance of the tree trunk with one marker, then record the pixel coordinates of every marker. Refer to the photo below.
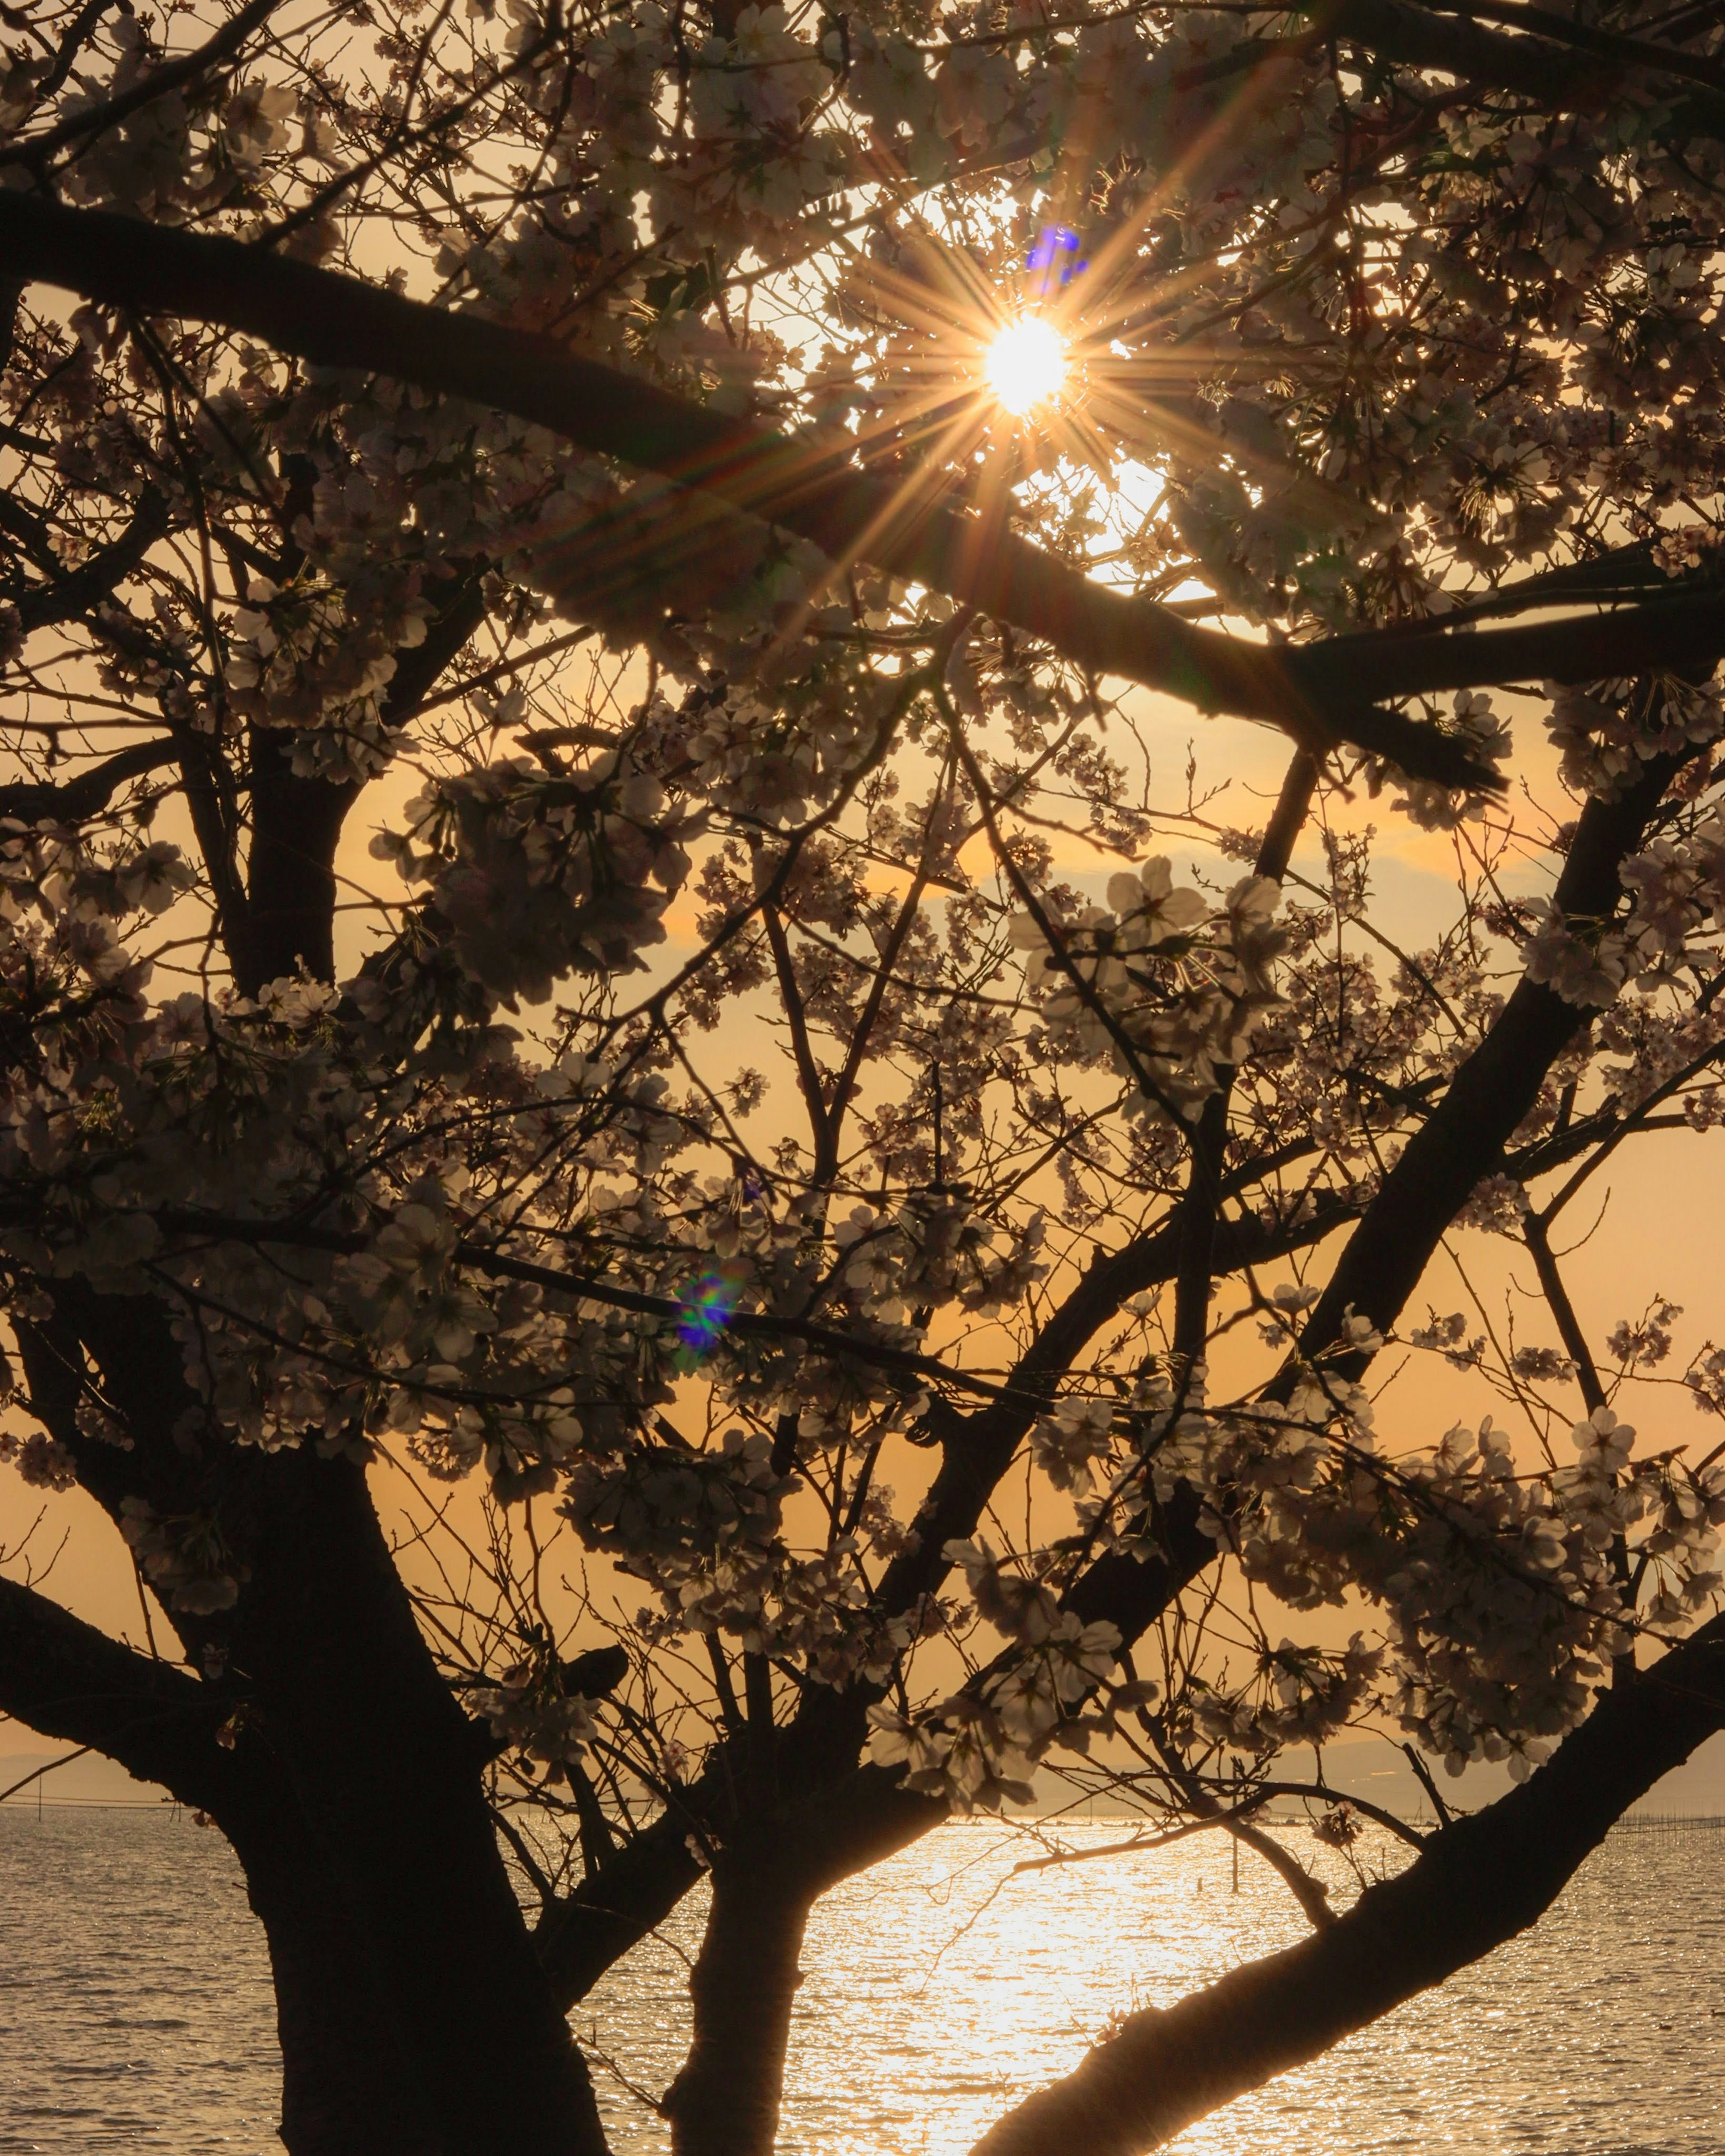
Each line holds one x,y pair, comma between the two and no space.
414,2013
350,2086
398,1888
724,2101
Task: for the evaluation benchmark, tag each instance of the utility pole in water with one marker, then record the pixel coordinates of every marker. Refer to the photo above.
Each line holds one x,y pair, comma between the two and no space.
1235,1838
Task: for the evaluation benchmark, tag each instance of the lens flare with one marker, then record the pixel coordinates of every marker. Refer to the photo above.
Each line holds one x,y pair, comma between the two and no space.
708,1308
1026,364
1057,259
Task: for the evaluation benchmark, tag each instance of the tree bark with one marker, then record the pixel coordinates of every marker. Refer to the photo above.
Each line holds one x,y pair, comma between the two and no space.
290,874
350,2086
585,1933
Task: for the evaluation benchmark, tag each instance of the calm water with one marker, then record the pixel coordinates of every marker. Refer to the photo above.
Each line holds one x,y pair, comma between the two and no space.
134,2008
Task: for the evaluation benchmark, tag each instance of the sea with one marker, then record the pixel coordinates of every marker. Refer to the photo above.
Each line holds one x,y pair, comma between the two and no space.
136,2011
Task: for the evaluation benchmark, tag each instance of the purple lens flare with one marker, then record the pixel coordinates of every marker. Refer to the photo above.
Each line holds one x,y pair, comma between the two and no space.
1058,257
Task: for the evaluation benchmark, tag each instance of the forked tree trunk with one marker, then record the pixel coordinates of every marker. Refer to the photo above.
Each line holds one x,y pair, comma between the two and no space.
415,2016
395,1896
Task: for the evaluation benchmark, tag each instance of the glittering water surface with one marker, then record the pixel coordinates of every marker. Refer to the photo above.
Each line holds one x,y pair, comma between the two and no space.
134,2003
134,2008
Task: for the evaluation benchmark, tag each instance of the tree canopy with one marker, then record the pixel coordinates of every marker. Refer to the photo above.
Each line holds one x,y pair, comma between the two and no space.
687,1203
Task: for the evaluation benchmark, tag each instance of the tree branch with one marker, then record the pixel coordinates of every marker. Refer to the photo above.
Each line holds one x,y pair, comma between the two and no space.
174,74
1200,1211
725,2100
1587,37
806,487
297,822
822,1132
1664,635
90,792
1463,1138
1540,62
1557,1297
1475,1885
1312,1894
66,1679
75,591
615,1909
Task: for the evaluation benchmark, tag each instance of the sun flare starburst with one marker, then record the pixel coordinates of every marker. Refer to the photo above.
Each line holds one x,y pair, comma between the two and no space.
1026,364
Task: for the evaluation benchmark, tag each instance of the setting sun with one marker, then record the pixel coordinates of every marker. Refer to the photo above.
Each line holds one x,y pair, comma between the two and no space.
1027,364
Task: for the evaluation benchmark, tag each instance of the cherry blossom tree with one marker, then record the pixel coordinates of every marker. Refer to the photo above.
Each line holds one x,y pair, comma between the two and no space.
771,1264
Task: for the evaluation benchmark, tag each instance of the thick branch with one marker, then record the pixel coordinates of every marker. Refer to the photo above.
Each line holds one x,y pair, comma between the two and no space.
978,1451
1667,635
90,792
75,591
344,2071
808,487
1418,37
297,822
1464,1137
352,1731
66,1679
1534,67
1557,1297
615,1908
1589,38
725,2100
331,1736
1475,1885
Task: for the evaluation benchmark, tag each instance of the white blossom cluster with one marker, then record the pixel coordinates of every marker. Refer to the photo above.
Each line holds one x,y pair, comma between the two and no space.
315,661
980,1747
539,875
536,1716
1167,986
1676,889
1609,730
1500,1590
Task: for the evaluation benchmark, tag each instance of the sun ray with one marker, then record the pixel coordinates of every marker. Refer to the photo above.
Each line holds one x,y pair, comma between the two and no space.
919,490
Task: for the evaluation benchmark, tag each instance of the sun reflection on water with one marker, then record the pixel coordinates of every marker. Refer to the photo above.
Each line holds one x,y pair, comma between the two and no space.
938,1991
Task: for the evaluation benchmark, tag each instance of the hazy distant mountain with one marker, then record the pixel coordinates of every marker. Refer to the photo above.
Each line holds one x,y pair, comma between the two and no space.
1374,1768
